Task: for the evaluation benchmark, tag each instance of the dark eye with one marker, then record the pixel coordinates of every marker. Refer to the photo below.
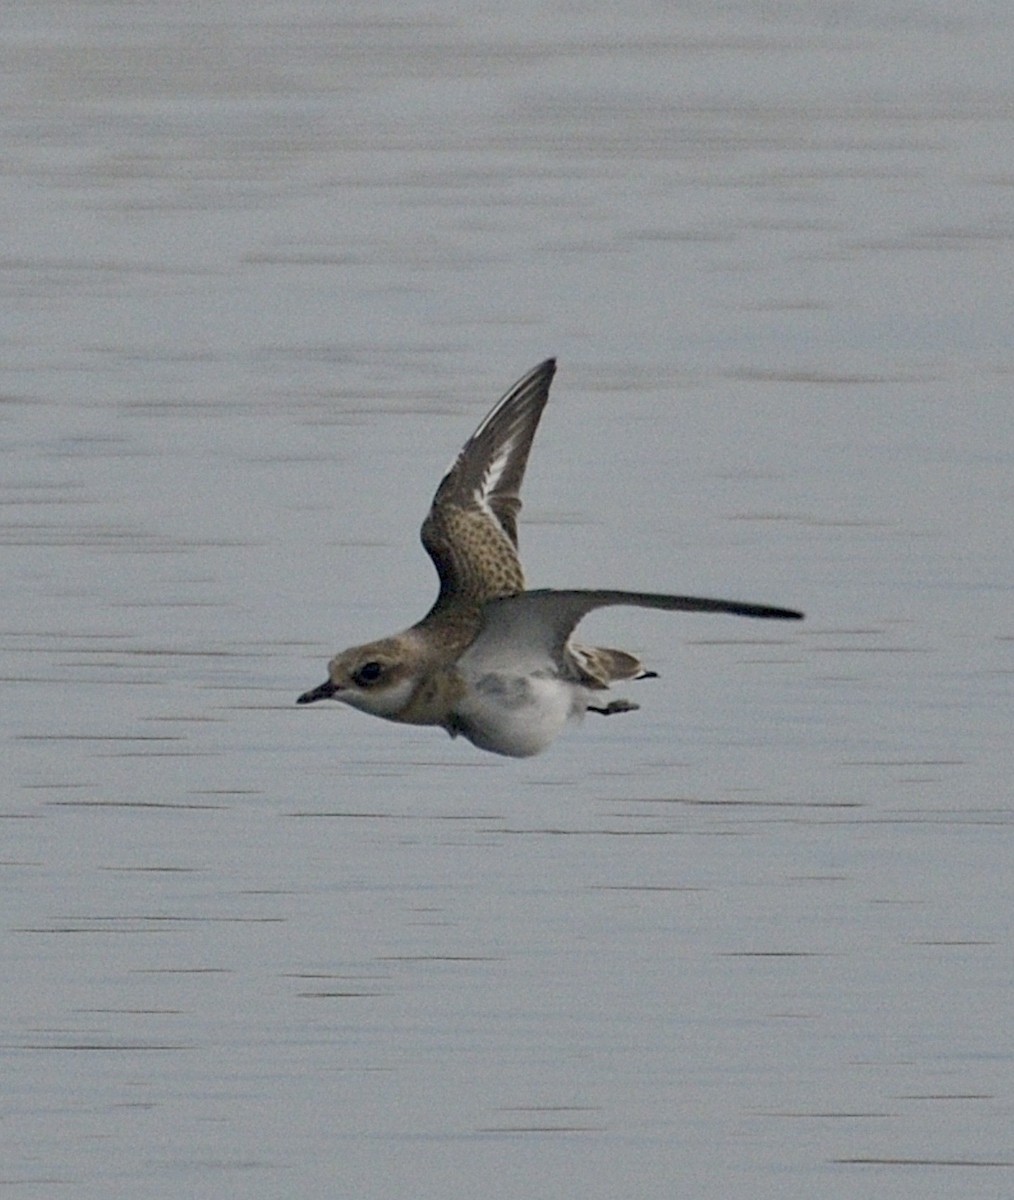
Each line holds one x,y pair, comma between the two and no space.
368,673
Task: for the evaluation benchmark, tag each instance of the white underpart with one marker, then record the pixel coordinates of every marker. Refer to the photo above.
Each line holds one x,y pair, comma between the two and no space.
518,714
379,701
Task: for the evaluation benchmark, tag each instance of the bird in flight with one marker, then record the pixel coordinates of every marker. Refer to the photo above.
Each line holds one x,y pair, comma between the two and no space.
491,661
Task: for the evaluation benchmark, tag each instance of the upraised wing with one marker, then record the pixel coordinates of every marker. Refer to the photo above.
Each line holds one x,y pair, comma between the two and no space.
471,529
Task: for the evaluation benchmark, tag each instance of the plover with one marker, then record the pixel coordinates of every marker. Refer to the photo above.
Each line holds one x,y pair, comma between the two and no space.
491,661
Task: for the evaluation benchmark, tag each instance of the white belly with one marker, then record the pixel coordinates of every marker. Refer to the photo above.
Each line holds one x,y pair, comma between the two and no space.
517,715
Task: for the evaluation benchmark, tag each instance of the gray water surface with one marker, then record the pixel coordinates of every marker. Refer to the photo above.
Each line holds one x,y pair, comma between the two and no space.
264,268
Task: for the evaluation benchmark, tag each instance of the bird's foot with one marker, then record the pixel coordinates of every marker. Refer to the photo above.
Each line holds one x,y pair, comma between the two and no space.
615,706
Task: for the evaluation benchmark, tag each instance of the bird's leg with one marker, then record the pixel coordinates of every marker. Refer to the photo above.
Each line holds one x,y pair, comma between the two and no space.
615,706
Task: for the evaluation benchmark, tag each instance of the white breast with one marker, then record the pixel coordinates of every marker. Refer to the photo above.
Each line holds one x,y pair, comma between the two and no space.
516,715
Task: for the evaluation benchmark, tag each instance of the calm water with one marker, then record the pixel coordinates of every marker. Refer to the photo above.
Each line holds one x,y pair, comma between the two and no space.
264,268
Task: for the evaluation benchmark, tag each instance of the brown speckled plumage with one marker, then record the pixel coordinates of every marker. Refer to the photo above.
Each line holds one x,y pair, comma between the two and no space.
471,530
492,661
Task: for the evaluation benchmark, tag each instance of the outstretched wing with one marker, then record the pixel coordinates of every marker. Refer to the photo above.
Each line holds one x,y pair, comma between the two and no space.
530,630
471,529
